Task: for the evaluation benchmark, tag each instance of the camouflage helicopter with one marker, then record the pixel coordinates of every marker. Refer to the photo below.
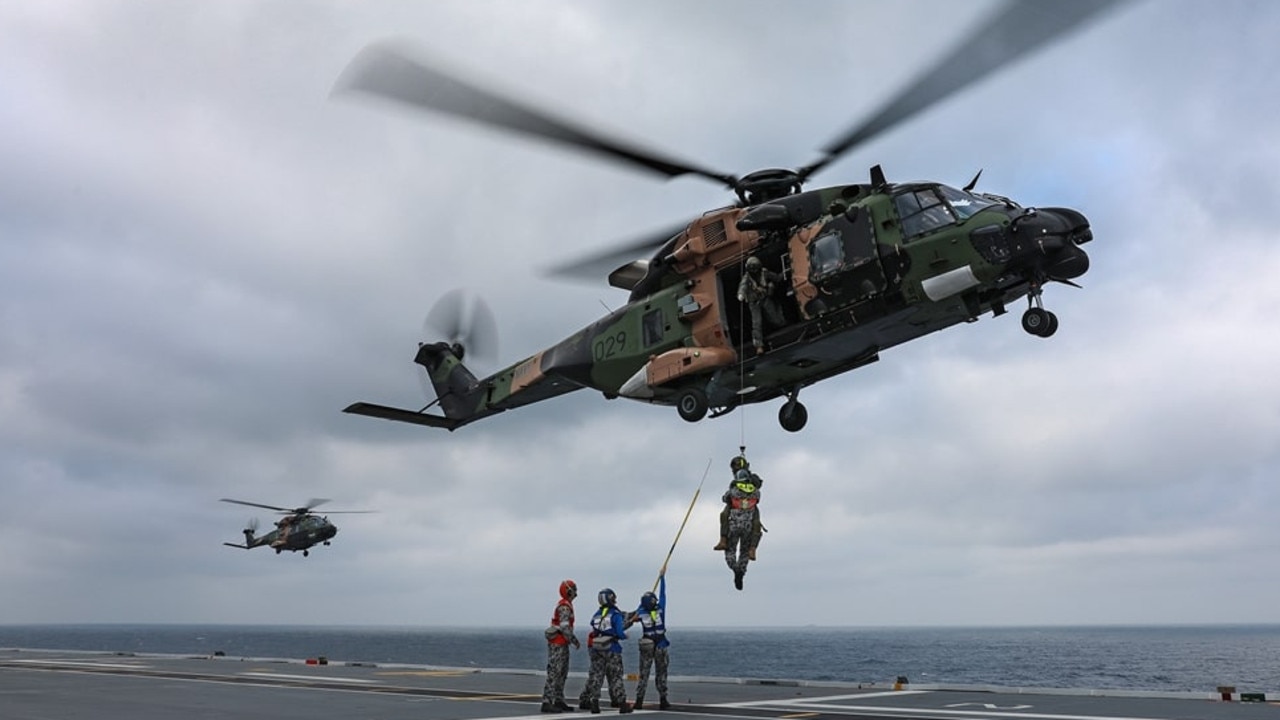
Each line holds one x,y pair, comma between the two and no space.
298,529
865,266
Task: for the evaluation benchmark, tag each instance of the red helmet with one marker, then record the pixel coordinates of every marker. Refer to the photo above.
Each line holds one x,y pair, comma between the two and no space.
568,589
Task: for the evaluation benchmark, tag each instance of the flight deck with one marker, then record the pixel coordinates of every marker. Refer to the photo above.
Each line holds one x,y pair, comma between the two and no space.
62,685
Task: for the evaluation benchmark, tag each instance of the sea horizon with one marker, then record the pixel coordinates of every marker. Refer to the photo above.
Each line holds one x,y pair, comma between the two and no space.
1155,657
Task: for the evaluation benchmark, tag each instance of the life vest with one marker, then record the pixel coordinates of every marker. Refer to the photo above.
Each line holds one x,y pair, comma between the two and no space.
601,623
555,621
655,627
604,629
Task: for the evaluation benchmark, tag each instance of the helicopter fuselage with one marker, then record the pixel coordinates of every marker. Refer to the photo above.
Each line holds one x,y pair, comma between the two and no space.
865,267
293,534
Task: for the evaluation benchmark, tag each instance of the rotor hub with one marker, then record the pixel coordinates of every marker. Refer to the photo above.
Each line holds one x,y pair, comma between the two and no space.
761,186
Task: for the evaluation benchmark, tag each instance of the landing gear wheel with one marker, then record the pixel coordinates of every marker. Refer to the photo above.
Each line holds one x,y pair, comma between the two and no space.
692,405
1052,327
305,553
792,416
1039,321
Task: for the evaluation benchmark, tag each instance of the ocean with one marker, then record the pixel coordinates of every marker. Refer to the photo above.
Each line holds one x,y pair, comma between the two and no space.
1142,658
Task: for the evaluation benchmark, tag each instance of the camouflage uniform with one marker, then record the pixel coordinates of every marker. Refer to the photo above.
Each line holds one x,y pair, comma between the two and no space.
609,627
756,290
594,673
743,494
652,615
740,523
559,637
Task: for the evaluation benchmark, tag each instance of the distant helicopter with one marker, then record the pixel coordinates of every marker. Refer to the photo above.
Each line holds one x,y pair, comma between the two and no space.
299,529
863,266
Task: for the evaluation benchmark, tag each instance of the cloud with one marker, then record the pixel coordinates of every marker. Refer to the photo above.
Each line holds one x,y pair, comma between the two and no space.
204,258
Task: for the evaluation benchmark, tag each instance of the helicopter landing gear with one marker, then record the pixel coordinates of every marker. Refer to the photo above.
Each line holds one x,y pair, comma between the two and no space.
793,415
692,405
1036,320
306,553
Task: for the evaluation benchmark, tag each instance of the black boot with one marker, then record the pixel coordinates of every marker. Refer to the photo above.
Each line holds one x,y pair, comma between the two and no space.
564,706
549,708
663,704
624,708
595,707
639,705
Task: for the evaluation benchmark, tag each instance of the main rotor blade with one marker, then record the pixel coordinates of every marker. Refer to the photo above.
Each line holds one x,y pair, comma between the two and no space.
1012,33
385,71
598,265
254,504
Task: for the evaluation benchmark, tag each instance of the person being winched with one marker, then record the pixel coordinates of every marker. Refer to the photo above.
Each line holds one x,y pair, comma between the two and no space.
742,498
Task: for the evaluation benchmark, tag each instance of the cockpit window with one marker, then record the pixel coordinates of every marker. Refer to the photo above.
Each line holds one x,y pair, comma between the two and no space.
922,211
965,204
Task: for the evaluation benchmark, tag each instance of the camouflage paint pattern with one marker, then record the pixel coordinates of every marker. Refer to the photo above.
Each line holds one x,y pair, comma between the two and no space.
877,287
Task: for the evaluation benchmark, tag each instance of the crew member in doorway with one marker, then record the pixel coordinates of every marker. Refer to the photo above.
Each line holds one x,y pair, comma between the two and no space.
756,290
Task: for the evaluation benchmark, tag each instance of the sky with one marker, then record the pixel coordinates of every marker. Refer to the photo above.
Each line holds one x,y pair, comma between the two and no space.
204,257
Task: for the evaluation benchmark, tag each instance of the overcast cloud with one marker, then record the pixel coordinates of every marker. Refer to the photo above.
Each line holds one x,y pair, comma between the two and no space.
204,258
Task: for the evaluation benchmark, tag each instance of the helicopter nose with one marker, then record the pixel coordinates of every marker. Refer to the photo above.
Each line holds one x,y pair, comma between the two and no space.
1049,239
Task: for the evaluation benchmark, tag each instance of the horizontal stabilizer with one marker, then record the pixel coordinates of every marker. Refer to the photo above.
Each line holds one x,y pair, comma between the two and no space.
400,415
242,547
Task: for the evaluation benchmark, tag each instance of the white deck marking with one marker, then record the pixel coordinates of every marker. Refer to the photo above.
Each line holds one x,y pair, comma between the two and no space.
830,704
314,678
826,699
84,663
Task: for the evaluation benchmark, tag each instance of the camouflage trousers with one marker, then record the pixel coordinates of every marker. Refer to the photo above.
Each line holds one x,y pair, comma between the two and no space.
764,313
659,659
604,665
557,671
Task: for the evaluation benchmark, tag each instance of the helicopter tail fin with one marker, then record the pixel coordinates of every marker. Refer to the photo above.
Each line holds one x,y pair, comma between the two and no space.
457,390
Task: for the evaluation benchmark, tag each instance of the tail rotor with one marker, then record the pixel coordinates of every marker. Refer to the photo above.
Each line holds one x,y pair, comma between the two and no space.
464,321
459,324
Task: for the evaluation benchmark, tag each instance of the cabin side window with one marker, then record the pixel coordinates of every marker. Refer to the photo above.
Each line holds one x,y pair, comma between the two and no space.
652,327
826,257
922,211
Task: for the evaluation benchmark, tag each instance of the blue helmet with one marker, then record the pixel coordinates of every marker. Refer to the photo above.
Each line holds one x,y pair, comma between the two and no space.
607,598
649,601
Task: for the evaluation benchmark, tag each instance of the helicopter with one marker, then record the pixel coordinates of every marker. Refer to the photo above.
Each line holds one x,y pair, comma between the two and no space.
864,266
298,529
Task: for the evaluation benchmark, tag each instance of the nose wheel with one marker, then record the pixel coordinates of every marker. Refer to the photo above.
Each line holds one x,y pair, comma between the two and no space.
1036,320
